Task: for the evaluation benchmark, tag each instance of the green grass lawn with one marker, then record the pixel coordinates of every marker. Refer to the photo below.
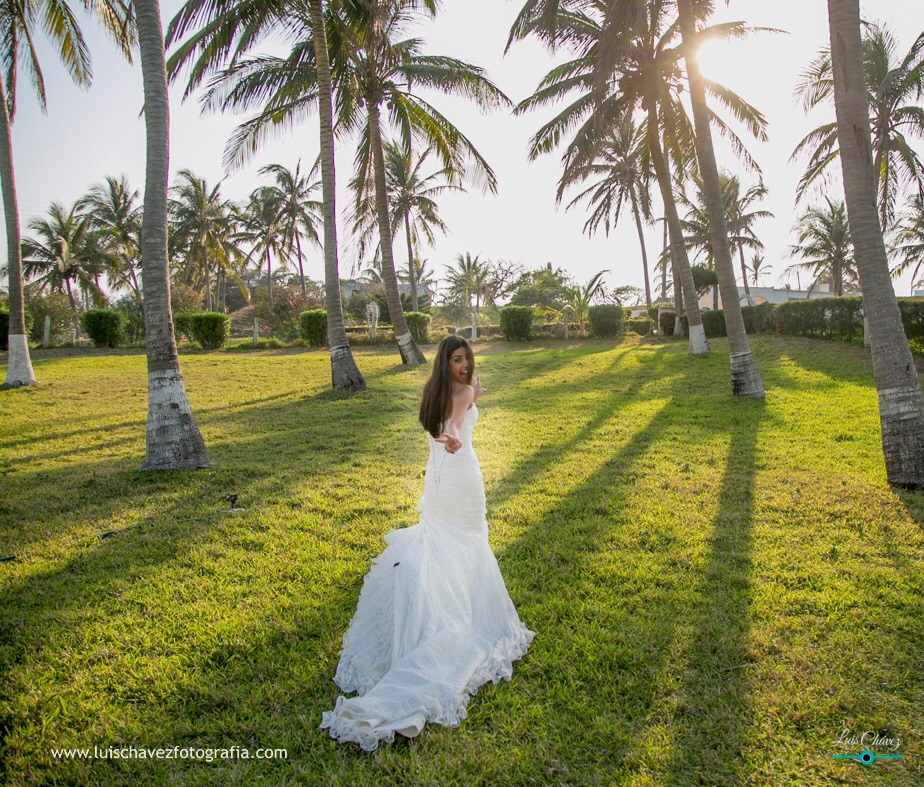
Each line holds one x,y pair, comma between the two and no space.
719,588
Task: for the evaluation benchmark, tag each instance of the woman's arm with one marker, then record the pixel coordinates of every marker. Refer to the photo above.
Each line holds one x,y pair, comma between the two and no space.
460,404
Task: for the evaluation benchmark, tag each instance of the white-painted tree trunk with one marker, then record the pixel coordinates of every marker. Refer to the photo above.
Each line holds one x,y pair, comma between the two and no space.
19,364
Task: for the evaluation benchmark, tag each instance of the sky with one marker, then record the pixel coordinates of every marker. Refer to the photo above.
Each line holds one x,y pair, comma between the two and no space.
90,134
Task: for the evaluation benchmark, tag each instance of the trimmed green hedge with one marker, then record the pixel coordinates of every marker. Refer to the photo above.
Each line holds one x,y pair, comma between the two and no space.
5,327
419,325
639,325
666,326
312,327
210,329
607,320
516,322
106,327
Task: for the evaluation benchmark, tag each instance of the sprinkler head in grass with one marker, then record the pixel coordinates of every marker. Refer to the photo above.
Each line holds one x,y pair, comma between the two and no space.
232,499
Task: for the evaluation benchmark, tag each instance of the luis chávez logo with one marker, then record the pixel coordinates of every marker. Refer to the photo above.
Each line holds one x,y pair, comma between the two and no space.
868,741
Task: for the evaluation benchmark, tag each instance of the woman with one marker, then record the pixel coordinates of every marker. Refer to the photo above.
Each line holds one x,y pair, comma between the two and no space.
434,620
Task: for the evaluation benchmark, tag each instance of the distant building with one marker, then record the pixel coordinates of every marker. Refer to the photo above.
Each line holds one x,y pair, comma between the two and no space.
776,295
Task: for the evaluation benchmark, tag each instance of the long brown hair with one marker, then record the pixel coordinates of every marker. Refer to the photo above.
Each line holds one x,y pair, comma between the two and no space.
437,393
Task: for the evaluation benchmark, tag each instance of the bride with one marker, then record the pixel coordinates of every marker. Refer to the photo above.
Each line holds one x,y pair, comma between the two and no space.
434,620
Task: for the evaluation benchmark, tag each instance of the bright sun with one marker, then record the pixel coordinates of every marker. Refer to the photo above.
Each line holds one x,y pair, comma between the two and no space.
716,60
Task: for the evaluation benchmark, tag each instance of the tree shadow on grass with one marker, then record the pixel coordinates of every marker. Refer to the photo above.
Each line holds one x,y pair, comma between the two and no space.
712,708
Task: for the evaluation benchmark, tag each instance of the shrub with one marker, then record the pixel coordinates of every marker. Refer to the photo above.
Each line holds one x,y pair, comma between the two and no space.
666,327
822,318
312,327
912,310
184,298
639,325
210,329
103,326
5,327
419,325
131,310
288,305
182,325
55,305
759,318
516,322
607,320
713,323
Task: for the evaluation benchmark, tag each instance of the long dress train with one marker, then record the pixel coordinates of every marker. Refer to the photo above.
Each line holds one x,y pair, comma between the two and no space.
434,620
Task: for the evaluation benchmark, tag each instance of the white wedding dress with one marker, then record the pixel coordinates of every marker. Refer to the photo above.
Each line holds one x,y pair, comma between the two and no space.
434,620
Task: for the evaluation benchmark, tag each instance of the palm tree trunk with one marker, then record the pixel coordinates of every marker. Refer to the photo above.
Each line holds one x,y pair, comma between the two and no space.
681,261
412,273
663,255
745,378
641,243
410,352
344,374
901,407
301,267
744,270
269,288
678,301
173,439
74,310
19,364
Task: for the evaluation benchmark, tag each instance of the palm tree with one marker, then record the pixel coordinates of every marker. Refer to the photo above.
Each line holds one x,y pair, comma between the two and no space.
825,245
901,406
173,439
66,254
758,268
465,281
627,59
412,202
622,175
579,297
909,239
204,233
745,378
739,219
263,227
384,70
19,23
114,212
372,69
298,213
894,87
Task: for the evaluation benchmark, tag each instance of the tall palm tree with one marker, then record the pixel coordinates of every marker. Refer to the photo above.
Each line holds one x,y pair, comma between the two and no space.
19,24
627,59
894,86
65,255
204,233
385,71
901,406
299,214
745,378
372,68
412,204
114,212
825,245
622,175
908,241
345,376
173,439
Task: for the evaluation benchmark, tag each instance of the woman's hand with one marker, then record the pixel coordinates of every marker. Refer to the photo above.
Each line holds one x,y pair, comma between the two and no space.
476,385
452,444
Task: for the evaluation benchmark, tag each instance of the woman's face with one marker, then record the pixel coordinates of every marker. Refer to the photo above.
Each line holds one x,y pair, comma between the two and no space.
459,367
